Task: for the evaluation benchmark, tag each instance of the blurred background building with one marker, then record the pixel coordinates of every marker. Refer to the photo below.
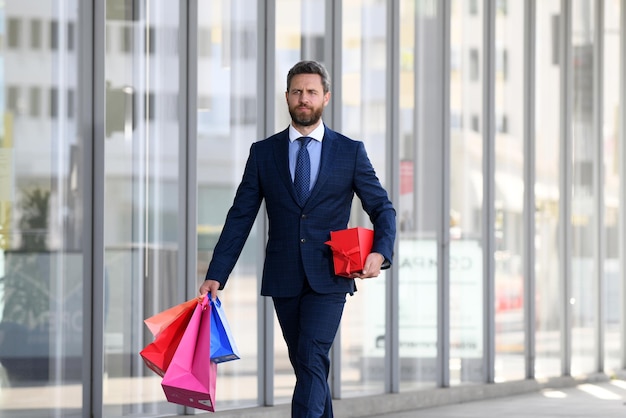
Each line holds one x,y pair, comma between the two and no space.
497,127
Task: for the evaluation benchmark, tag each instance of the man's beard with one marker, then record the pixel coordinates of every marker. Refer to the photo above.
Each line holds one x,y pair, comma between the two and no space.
315,116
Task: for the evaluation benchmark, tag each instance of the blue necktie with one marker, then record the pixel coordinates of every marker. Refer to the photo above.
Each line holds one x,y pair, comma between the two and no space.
302,176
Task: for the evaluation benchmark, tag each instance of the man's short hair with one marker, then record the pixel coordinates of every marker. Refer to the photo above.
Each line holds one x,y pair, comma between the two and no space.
310,67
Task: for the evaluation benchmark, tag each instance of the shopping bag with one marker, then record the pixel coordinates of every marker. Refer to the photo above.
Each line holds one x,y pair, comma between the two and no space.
223,347
190,378
159,353
157,323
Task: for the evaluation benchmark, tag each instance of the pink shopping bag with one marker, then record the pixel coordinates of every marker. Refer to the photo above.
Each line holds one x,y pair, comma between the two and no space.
191,376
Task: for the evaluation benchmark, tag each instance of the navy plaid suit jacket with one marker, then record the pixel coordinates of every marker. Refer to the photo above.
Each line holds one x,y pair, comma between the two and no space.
295,245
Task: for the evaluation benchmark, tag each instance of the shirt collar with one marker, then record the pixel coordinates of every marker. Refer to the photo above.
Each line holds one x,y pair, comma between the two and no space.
317,134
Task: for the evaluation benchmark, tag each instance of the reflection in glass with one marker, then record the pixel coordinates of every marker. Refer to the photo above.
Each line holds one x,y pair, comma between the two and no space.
363,118
227,125
509,192
583,294
300,32
466,195
548,296
41,197
420,193
141,218
613,227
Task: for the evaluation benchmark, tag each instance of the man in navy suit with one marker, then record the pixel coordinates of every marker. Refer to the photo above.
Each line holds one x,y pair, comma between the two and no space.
298,272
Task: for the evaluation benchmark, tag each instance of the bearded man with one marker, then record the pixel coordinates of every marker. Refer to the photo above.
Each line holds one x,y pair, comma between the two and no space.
308,175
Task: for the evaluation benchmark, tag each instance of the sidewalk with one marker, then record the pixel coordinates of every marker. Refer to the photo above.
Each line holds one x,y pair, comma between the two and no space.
588,400
593,396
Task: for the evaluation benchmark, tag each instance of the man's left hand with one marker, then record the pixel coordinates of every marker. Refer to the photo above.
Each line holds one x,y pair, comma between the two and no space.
371,268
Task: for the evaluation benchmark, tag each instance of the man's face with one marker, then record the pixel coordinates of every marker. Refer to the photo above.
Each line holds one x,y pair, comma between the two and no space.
306,99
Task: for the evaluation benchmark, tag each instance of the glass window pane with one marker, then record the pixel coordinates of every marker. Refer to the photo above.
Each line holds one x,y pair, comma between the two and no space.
613,281
41,221
509,192
35,34
583,295
466,195
34,101
227,126
548,296
300,31
14,27
363,112
141,216
419,209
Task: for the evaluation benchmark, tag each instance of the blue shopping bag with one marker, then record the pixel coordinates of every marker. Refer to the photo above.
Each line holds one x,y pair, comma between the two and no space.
223,346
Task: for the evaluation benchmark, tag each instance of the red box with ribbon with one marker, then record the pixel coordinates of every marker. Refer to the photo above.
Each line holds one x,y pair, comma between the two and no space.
350,247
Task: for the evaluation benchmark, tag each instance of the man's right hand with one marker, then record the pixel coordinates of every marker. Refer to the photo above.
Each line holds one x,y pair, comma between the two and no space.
210,286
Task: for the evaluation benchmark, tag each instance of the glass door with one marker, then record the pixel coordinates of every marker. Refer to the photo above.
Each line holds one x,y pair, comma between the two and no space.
41,184
141,186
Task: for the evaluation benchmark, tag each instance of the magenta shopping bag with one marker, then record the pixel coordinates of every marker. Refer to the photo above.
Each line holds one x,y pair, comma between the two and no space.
191,376
223,347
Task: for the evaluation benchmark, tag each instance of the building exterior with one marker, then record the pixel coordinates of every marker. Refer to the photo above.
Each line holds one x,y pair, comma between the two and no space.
497,127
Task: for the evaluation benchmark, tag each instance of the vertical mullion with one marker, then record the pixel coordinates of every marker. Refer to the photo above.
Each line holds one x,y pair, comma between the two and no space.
332,55
266,65
187,105
598,180
392,362
622,178
529,189
488,188
443,233
86,124
565,185
187,108
92,108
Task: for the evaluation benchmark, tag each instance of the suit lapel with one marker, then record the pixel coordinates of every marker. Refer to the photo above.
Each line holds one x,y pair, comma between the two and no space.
281,155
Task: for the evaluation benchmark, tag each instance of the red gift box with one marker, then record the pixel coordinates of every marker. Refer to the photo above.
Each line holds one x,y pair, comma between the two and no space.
350,247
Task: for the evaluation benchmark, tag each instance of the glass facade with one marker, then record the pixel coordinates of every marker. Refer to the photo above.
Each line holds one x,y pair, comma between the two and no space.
42,318
466,192
419,200
509,186
496,126
548,244
226,126
362,91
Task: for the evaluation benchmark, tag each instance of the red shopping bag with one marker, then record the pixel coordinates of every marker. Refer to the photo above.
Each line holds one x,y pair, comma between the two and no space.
157,323
190,378
158,354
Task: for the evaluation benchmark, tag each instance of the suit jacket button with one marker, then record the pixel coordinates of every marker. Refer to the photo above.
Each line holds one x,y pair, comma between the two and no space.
303,216
302,240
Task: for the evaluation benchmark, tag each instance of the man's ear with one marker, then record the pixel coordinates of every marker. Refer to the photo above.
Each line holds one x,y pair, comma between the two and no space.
326,98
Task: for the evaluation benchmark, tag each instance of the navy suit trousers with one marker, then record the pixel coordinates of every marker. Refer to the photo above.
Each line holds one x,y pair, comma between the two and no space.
309,323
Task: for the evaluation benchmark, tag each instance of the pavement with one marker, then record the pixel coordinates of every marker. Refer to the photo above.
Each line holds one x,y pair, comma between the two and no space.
593,396
589,400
